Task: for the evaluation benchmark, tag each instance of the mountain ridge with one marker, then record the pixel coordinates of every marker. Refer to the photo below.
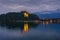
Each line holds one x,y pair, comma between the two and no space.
49,14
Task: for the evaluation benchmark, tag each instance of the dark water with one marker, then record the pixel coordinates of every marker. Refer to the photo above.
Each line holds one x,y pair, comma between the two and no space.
41,32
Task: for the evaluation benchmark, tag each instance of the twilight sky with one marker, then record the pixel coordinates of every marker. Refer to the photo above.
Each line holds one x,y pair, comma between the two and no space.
29,5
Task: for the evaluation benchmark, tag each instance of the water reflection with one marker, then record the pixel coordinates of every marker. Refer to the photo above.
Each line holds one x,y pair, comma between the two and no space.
25,29
33,32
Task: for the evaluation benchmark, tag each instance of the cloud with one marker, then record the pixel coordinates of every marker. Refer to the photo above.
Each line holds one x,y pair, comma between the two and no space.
29,5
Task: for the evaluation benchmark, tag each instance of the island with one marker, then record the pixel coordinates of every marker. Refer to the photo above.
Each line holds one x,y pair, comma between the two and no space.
17,19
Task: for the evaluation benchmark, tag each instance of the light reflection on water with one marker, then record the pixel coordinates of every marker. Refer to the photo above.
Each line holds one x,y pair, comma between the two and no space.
42,31
25,29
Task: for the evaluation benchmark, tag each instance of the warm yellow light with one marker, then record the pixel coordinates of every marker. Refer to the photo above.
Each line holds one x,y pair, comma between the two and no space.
25,14
26,27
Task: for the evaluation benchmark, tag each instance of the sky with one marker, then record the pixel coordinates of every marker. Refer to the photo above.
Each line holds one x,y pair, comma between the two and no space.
28,5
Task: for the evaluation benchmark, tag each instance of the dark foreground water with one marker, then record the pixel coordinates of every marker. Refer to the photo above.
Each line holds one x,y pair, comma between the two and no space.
41,32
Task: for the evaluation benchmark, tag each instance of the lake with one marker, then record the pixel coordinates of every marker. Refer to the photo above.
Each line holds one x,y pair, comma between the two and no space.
40,32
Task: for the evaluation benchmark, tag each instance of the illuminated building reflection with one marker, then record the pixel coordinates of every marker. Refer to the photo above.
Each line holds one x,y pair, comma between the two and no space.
25,29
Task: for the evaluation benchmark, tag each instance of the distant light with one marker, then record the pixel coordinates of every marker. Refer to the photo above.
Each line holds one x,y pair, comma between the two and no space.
47,22
36,21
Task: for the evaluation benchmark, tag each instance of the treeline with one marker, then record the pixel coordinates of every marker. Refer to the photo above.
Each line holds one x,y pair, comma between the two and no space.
10,18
